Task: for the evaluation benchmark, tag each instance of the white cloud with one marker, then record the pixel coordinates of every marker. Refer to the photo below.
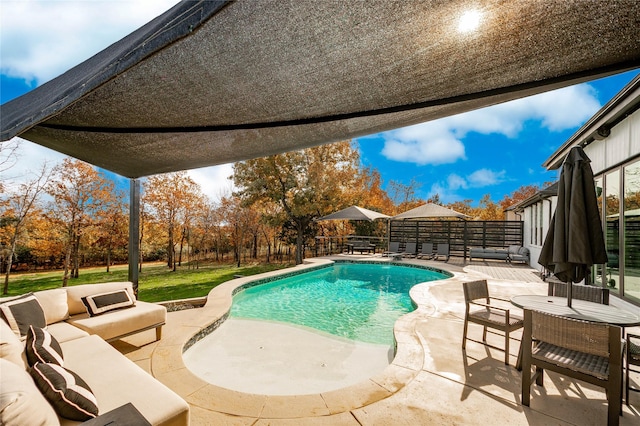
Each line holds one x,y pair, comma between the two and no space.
447,189
214,180
42,39
485,177
441,148
456,182
440,141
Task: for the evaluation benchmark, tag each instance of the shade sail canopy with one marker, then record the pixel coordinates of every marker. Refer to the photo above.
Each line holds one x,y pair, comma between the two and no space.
575,241
212,82
355,213
428,211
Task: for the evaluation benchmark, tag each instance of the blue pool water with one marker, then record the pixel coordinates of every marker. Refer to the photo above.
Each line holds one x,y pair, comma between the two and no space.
356,301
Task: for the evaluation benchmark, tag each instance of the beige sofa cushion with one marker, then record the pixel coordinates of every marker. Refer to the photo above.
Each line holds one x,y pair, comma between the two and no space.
121,322
54,304
21,403
116,380
64,332
76,293
11,347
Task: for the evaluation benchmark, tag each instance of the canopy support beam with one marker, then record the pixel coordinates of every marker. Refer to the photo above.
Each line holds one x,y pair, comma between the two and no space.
134,232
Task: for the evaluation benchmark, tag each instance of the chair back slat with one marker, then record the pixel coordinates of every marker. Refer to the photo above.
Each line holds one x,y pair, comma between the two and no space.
589,293
583,336
474,290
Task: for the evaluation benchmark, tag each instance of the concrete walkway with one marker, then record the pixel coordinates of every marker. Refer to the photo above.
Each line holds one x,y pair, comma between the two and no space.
430,381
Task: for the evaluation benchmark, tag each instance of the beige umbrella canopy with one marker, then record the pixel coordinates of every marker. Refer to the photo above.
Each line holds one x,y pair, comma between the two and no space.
355,213
430,210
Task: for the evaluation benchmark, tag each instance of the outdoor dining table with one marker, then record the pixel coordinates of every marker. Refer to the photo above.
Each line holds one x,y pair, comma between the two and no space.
580,309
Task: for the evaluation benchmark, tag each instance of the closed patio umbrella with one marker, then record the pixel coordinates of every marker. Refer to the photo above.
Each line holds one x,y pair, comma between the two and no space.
575,241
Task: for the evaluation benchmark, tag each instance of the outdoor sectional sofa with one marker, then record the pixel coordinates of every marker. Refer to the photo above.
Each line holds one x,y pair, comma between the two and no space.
514,253
28,357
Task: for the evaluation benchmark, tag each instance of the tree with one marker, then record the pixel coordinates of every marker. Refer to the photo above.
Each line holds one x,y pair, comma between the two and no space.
463,207
8,158
79,192
404,196
19,206
112,225
306,184
518,195
489,210
169,197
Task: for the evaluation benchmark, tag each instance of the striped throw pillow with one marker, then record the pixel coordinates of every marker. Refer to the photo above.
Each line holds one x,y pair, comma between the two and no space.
97,304
42,347
69,395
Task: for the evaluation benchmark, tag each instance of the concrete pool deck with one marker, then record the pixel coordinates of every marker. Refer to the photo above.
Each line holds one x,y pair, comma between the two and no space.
430,381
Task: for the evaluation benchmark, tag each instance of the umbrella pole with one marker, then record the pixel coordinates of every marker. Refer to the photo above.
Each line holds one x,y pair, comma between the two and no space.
569,293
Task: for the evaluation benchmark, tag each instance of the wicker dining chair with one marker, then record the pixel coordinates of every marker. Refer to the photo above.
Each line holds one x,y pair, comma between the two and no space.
590,293
632,358
476,296
584,350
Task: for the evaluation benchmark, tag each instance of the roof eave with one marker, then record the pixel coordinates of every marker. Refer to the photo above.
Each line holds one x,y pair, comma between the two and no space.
597,127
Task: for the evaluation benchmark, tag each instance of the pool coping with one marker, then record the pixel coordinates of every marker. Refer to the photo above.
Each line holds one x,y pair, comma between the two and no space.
408,362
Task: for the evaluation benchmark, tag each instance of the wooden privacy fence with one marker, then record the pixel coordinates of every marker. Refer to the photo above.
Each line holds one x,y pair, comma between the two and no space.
460,234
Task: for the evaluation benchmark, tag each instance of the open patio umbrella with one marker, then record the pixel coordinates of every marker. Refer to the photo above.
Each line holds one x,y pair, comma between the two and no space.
430,210
355,213
574,242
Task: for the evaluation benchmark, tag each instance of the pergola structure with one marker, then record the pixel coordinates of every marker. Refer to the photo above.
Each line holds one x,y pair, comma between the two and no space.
213,82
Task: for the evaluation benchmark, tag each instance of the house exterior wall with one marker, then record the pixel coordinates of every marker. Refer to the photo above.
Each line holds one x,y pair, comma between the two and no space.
622,144
615,161
537,218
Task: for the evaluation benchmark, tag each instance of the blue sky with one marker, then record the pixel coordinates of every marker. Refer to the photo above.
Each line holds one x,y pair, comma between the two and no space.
492,151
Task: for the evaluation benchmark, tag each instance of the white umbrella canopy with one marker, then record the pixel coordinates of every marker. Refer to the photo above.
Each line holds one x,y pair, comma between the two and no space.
430,210
355,213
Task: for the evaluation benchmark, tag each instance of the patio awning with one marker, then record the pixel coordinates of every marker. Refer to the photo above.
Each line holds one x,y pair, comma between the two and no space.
212,82
429,211
354,213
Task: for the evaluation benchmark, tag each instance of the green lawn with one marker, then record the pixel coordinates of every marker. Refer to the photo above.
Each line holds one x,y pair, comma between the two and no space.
156,282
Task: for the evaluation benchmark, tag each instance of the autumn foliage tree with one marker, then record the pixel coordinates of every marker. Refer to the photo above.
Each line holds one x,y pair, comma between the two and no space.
518,195
18,208
306,184
169,198
78,192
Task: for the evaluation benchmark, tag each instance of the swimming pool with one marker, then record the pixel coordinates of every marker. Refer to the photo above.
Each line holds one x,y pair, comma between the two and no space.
357,301
308,333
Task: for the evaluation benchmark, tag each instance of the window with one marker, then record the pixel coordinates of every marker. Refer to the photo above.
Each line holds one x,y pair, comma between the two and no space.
612,232
631,231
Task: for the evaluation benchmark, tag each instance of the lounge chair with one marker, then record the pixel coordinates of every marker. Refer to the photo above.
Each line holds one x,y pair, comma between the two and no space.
394,249
476,293
584,350
410,250
427,251
442,250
